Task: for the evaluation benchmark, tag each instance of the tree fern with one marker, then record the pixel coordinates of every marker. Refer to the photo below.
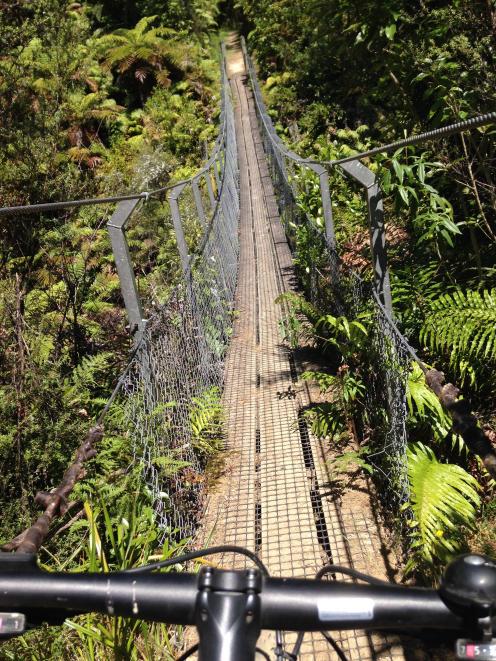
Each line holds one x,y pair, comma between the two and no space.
443,496
463,323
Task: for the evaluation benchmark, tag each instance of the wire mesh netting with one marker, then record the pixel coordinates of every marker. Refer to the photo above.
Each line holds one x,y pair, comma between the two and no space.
171,391
334,287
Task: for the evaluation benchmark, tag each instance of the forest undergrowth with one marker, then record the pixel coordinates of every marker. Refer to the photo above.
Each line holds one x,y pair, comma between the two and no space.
97,99
339,78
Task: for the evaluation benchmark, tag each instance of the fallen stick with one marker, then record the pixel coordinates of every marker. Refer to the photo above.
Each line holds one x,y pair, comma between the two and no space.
464,422
56,502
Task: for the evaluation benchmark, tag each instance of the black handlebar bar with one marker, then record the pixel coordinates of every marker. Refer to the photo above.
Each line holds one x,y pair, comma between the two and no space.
231,607
290,604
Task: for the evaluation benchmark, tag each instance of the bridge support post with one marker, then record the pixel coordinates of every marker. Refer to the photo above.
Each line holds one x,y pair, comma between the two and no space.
198,201
211,196
178,228
116,229
325,195
367,179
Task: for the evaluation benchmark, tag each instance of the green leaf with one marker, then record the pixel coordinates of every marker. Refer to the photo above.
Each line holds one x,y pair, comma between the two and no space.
398,168
403,194
390,31
424,405
463,324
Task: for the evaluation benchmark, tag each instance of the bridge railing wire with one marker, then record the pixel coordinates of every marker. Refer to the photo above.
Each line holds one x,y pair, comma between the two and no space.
334,286
166,402
172,392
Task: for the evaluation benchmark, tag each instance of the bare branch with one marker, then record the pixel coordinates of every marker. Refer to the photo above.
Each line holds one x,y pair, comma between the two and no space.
56,502
464,422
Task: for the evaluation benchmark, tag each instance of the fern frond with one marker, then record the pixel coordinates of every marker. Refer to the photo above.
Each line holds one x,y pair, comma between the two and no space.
326,420
169,466
88,376
443,496
423,405
324,380
205,418
298,305
463,323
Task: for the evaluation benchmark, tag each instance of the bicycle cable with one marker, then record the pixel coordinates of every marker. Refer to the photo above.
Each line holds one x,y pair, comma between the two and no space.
338,569
335,646
199,554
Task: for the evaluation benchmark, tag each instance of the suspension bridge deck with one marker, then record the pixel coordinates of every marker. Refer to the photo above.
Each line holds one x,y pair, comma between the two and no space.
272,497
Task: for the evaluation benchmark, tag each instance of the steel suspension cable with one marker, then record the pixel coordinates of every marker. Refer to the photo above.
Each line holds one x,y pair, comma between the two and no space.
435,134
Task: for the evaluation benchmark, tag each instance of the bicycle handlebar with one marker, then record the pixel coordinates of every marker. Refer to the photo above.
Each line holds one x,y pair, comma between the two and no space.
290,604
231,607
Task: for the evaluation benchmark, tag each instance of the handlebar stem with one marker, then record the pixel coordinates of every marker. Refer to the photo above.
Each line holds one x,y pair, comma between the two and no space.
228,614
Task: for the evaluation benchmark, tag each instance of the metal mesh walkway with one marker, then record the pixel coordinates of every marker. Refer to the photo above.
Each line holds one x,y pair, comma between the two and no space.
269,498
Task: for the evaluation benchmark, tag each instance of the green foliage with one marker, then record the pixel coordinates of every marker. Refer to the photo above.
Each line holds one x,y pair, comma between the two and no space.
170,467
343,77
443,497
298,323
413,287
143,52
308,254
424,406
206,420
432,214
351,460
326,420
329,419
85,119
483,539
347,387
349,337
463,324
303,323
291,329
86,380
198,16
117,539
117,531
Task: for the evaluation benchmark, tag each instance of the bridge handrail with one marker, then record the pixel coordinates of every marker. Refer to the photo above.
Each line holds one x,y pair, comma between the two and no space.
475,438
